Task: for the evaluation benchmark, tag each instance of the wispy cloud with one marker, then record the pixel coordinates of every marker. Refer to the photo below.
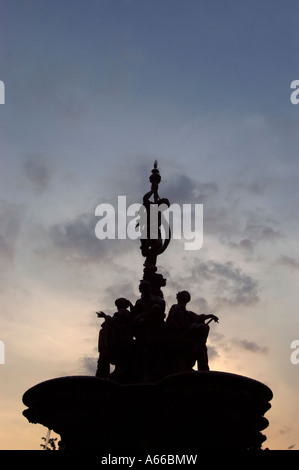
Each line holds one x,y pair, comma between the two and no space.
258,228
75,240
184,189
37,173
288,261
230,284
250,346
10,215
245,245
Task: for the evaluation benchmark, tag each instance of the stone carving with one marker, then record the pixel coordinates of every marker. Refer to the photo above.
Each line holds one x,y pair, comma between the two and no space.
183,323
151,219
115,329
138,340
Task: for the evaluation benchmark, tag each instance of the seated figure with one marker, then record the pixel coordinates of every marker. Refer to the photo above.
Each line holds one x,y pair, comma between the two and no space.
115,328
187,324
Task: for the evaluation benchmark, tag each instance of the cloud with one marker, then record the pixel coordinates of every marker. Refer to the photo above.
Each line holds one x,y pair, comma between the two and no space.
213,354
230,284
241,230
10,215
89,365
245,246
260,228
288,261
183,189
37,173
121,289
76,241
202,304
250,346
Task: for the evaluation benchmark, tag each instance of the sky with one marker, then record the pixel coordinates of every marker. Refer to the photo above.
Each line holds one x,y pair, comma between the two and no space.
95,92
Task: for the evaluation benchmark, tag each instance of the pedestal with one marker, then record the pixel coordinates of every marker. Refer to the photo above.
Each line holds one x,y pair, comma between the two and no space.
187,412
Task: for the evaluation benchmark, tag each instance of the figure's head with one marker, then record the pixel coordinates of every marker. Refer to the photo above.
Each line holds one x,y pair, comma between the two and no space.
122,303
145,287
183,297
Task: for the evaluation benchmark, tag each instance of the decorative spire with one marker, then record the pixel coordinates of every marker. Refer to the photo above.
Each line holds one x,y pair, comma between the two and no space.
153,243
155,179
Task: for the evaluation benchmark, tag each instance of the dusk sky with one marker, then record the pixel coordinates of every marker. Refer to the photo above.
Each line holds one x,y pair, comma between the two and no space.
95,92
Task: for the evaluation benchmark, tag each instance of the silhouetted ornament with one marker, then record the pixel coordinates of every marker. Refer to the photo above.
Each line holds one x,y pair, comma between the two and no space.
151,221
155,178
184,412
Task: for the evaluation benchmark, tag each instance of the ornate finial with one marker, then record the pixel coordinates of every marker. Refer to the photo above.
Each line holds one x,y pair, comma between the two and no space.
152,242
155,179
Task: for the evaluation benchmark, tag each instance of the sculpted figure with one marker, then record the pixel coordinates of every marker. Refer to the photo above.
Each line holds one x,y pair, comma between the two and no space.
149,312
115,328
185,323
